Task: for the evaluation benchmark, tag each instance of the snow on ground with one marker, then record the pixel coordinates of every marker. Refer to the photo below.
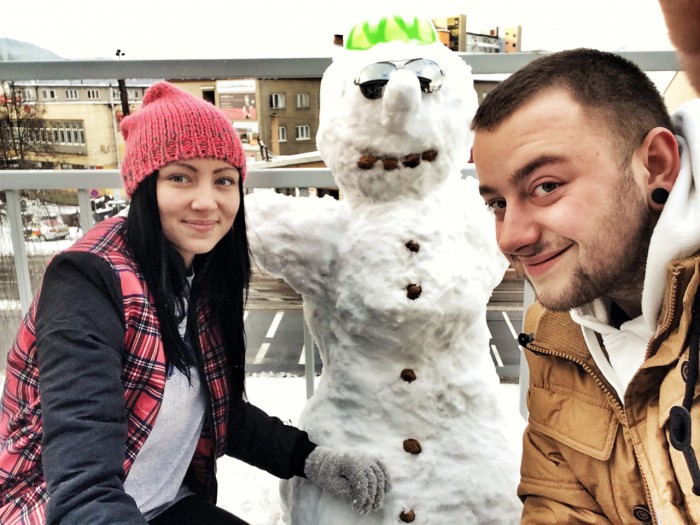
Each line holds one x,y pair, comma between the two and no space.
37,247
253,494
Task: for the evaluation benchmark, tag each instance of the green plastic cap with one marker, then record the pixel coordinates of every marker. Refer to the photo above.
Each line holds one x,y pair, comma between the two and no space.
391,29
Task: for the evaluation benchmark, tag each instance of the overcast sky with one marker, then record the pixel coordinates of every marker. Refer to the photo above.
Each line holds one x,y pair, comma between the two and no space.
153,29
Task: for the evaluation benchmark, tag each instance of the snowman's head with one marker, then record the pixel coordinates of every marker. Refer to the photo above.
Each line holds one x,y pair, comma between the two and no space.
396,106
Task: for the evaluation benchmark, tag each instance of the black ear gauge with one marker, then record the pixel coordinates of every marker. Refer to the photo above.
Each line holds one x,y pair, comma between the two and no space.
659,195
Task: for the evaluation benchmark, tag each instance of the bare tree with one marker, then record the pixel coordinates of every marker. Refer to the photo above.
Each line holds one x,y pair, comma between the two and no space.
24,137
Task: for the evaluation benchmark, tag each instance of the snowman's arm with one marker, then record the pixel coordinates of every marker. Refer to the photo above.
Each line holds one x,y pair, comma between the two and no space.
294,237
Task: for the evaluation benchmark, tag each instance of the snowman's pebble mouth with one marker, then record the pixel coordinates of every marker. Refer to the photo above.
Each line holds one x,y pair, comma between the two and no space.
412,160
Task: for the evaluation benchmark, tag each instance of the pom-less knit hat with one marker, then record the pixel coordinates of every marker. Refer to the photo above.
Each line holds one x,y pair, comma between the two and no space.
174,125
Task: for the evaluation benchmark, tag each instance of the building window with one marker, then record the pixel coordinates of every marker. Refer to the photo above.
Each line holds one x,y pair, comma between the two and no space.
282,134
209,95
48,94
64,133
28,94
116,95
72,94
133,94
277,101
302,100
303,132
93,94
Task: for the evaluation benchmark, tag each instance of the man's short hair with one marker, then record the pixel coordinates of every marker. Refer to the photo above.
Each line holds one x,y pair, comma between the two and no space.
607,86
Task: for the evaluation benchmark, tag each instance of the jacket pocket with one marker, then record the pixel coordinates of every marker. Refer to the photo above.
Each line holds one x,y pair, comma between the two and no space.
577,422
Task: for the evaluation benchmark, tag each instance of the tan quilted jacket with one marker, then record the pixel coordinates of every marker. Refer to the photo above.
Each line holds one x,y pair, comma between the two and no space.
586,457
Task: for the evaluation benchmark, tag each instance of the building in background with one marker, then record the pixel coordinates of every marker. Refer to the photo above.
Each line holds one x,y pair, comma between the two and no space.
512,39
679,91
273,117
80,120
288,115
236,98
453,32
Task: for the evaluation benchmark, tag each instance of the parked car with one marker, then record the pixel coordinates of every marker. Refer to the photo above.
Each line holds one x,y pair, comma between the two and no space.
47,228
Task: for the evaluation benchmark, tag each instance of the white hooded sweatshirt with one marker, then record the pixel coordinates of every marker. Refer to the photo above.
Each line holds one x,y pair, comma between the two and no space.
676,235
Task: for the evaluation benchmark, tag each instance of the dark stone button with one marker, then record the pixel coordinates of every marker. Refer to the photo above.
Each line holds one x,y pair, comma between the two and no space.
684,371
390,163
412,446
429,155
366,162
407,516
411,161
408,375
412,246
413,291
641,513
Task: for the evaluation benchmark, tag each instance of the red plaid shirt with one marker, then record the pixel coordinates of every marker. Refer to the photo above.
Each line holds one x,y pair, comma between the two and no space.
23,493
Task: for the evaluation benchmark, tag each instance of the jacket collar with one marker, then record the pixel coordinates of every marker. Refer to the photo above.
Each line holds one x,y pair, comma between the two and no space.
681,287
682,283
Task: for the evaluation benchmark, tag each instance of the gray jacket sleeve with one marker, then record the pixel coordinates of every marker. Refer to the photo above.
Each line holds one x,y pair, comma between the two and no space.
80,344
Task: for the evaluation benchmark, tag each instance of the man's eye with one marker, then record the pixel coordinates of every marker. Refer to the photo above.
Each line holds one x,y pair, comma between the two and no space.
545,188
496,204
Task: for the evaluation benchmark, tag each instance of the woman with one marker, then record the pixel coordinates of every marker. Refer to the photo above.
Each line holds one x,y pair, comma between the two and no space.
126,380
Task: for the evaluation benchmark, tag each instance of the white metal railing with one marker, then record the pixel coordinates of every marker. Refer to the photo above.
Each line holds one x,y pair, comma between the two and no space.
481,63
12,181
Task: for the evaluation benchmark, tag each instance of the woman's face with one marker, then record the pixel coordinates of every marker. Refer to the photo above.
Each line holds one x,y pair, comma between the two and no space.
198,200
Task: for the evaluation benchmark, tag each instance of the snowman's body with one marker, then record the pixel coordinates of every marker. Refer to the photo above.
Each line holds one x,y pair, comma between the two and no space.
396,278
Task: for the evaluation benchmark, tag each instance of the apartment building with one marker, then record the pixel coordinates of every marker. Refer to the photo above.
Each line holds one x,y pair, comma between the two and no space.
273,117
80,121
453,32
288,114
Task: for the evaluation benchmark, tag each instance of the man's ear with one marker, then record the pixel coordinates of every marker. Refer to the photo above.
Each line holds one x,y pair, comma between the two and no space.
660,156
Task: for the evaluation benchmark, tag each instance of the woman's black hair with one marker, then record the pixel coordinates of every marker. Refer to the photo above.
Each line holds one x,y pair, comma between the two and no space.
221,277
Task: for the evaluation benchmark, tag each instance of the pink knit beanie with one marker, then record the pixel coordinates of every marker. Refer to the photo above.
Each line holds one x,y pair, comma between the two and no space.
174,125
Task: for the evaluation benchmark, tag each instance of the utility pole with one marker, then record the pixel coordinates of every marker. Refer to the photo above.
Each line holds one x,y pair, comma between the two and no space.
122,88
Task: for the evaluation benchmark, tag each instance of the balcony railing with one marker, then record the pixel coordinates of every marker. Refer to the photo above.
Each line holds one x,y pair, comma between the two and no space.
13,181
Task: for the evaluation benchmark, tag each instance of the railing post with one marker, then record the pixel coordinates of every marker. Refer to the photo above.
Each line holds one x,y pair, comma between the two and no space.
19,250
86,219
309,361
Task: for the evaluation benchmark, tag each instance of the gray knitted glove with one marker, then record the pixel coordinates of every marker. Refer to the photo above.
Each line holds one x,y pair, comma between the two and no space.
349,474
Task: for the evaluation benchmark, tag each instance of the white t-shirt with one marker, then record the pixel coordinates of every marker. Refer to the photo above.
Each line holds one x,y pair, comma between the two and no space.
155,480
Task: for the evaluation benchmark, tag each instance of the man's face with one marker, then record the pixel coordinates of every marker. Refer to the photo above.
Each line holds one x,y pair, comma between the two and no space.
568,216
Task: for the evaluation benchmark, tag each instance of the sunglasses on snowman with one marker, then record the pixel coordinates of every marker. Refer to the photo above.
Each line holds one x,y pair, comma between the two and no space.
374,77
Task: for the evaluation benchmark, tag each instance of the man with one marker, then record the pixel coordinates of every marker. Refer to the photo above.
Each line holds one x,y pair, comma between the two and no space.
576,156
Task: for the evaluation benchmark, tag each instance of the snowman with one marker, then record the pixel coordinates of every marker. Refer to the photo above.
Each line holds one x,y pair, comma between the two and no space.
396,277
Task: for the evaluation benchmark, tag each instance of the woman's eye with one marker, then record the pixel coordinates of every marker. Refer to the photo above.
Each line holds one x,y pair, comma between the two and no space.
226,181
545,188
176,178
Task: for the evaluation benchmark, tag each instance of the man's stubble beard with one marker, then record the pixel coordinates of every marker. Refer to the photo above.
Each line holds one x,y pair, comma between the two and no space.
622,278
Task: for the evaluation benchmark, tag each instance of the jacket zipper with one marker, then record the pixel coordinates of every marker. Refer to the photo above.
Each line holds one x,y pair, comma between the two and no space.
539,350
668,320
